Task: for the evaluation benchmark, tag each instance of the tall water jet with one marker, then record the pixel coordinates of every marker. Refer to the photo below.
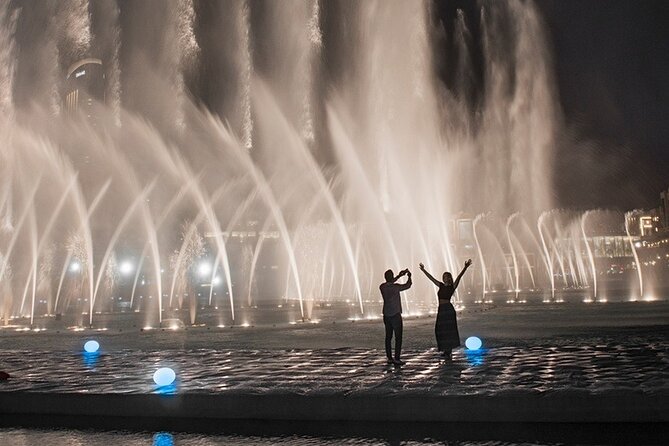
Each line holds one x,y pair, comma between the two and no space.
513,255
287,43
547,257
519,109
590,256
225,37
38,54
266,193
636,255
481,258
323,189
8,18
164,51
188,50
558,251
74,30
138,201
359,179
47,232
81,225
106,42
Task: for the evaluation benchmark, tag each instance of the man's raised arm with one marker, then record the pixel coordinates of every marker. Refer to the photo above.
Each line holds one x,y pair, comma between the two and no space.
406,285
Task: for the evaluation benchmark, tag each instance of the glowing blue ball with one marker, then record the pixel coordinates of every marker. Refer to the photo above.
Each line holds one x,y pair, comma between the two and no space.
164,377
91,346
473,343
163,439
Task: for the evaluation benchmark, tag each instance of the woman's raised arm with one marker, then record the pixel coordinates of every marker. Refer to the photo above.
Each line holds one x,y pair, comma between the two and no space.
429,276
457,280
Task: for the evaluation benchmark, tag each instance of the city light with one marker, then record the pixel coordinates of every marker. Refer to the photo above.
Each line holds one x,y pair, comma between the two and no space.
75,267
126,267
204,268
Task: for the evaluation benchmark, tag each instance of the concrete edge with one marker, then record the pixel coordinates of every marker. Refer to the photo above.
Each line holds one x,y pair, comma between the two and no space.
567,407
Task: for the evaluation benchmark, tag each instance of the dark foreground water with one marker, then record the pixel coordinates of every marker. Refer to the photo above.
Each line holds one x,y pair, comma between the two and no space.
29,437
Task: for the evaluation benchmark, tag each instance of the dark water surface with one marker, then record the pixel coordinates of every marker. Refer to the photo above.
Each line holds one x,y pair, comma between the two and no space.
30,437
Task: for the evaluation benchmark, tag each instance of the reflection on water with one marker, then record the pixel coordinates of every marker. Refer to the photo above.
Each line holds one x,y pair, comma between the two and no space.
170,389
163,439
36,437
476,357
90,359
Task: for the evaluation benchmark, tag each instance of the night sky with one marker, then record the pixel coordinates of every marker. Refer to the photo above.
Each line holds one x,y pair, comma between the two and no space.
612,64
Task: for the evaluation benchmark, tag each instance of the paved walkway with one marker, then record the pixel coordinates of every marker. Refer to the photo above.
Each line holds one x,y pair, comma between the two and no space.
599,368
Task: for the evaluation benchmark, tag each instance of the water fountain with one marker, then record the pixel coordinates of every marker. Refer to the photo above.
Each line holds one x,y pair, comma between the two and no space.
309,149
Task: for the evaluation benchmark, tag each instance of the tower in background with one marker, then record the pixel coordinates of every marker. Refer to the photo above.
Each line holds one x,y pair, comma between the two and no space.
84,86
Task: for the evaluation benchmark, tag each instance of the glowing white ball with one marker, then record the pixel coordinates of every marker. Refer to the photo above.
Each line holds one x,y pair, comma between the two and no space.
91,346
473,343
164,376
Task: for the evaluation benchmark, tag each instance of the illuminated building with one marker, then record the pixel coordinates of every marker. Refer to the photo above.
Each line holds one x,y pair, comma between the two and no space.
643,223
84,86
664,209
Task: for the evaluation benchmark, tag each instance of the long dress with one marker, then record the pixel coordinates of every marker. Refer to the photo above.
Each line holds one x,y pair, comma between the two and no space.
446,326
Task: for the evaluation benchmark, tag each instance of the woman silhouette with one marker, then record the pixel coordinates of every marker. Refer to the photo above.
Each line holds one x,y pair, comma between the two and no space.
446,326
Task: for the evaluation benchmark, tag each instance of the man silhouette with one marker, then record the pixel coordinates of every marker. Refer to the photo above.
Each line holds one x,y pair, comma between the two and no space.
392,312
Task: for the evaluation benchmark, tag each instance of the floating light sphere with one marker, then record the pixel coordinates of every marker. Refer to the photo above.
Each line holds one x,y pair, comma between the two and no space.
91,346
164,376
473,343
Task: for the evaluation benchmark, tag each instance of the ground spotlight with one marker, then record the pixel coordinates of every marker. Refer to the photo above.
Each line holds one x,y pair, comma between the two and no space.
473,343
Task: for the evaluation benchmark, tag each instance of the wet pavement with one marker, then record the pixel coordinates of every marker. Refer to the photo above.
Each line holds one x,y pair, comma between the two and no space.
539,368
533,348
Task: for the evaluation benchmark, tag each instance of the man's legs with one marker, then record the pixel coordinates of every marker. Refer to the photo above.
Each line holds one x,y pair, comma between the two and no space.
387,321
398,327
